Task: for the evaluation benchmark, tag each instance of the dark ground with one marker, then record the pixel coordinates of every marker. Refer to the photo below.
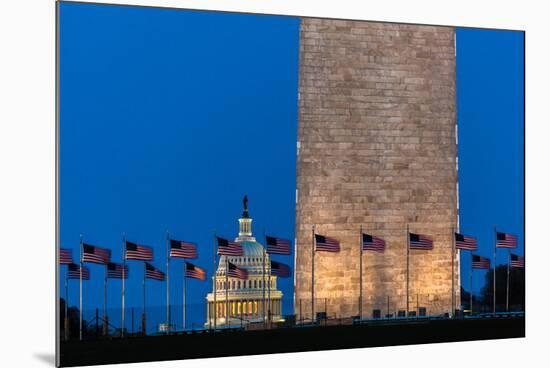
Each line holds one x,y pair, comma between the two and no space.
239,342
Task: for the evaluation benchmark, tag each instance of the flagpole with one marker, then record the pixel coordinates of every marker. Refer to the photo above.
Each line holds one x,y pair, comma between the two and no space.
269,294
226,291
215,314
408,248
184,294
167,283
508,283
471,288
263,284
361,272
105,323
453,255
269,287
143,316
263,280
66,304
312,273
123,281
495,274
80,327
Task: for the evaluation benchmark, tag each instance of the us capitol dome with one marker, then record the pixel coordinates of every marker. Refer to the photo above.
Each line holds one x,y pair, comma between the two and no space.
248,300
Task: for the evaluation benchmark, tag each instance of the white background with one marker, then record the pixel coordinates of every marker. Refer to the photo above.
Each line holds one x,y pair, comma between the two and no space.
27,142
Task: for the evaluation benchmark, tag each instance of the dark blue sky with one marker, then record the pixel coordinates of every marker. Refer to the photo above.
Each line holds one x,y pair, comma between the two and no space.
169,117
490,140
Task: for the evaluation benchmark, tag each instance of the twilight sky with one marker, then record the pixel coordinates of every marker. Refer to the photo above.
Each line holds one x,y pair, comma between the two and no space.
169,117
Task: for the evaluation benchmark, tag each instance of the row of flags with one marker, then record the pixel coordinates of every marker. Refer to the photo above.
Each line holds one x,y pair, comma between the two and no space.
274,245
175,249
484,263
503,240
325,243
178,249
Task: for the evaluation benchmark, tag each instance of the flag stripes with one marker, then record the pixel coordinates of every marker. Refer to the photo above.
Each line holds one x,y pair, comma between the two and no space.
65,256
116,271
151,272
505,240
517,261
420,242
194,272
479,262
465,242
277,245
280,269
228,247
93,254
138,252
326,244
373,243
182,249
73,272
235,271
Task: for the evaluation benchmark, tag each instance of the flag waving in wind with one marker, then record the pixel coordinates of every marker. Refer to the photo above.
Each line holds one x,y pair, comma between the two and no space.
517,261
93,254
465,242
138,252
194,272
280,269
229,248
182,249
235,271
73,272
506,240
481,263
373,243
151,272
420,242
117,271
326,244
65,256
277,245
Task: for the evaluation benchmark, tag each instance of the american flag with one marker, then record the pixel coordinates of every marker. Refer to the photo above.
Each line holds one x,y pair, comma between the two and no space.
237,272
194,272
65,256
506,240
517,261
73,272
480,262
465,242
116,271
277,245
373,243
280,269
420,242
151,272
229,248
182,249
95,254
138,252
326,244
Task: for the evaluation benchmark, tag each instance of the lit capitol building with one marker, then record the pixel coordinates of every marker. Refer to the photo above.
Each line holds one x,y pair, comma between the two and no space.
245,297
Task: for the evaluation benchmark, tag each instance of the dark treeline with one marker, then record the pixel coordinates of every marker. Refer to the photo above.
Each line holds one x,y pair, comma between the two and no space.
73,320
484,301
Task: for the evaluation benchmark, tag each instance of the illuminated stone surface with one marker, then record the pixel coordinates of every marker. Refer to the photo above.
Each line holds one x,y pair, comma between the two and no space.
376,148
